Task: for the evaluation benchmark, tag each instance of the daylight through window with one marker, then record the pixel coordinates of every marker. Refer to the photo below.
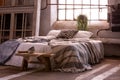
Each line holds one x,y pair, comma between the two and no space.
94,9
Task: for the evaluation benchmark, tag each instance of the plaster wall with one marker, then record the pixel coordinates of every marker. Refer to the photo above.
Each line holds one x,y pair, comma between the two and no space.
45,18
48,16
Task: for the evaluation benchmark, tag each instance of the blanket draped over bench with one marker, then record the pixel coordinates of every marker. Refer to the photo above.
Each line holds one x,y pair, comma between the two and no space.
7,49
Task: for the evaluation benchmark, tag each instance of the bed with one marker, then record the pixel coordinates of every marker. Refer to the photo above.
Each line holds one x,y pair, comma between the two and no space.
74,50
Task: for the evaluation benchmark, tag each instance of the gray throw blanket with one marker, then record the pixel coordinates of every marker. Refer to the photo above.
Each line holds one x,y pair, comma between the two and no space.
7,49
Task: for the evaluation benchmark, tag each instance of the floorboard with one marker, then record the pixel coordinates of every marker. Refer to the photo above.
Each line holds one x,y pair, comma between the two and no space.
108,69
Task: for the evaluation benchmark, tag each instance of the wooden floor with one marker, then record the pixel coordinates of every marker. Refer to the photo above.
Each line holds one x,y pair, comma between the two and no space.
108,69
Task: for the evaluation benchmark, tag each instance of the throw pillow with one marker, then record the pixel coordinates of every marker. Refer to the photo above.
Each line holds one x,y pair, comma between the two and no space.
67,34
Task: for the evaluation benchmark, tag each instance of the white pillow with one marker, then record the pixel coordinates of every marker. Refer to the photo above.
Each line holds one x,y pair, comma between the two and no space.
53,33
83,34
45,37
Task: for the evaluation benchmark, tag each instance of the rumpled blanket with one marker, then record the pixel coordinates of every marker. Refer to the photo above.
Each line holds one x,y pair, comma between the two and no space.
7,49
76,57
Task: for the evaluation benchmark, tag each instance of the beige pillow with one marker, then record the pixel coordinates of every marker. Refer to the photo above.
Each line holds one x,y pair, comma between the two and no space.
83,34
53,33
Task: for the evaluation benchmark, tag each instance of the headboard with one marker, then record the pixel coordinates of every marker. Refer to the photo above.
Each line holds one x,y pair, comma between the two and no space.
64,25
93,27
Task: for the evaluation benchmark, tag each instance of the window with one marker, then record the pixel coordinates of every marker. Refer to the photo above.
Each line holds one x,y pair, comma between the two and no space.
17,22
95,10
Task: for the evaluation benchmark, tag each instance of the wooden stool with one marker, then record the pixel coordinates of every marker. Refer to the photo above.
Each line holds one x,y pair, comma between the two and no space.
43,57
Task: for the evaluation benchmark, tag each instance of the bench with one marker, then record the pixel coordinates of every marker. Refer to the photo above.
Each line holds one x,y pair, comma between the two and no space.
111,46
42,58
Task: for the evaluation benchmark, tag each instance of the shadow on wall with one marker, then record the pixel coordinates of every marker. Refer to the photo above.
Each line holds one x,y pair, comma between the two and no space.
93,27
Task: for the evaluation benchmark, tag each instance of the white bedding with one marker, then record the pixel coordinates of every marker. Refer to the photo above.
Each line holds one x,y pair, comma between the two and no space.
39,47
44,47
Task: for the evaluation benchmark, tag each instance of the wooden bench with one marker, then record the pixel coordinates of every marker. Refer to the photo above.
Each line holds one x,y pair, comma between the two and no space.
42,58
111,46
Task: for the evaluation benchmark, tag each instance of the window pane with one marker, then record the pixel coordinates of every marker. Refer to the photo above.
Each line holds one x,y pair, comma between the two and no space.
86,1
29,20
61,15
69,15
61,6
19,20
103,14
7,19
94,14
69,6
103,2
78,1
61,1
69,2
76,13
87,13
86,7
95,2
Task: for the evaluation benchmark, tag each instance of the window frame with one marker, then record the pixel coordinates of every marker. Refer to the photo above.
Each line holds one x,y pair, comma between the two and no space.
99,7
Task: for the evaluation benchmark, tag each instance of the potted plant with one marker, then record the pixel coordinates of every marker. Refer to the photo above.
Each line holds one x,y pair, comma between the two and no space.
82,22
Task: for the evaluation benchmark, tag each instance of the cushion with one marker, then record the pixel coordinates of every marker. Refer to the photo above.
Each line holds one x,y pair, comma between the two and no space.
83,34
67,34
53,33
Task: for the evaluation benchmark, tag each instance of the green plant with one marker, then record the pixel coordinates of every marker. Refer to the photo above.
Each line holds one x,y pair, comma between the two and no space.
82,22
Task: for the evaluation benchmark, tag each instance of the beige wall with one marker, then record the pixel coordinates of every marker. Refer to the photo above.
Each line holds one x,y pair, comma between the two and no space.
45,19
48,17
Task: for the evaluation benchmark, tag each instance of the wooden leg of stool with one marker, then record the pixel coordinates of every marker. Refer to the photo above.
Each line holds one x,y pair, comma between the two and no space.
25,64
46,62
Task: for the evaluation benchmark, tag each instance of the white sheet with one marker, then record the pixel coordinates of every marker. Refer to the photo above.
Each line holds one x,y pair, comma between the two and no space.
39,47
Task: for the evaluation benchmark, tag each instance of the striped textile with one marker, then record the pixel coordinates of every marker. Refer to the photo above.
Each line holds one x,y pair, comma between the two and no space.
76,57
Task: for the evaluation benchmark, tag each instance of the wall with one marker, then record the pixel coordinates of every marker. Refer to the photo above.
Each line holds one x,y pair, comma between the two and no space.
48,16
45,18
